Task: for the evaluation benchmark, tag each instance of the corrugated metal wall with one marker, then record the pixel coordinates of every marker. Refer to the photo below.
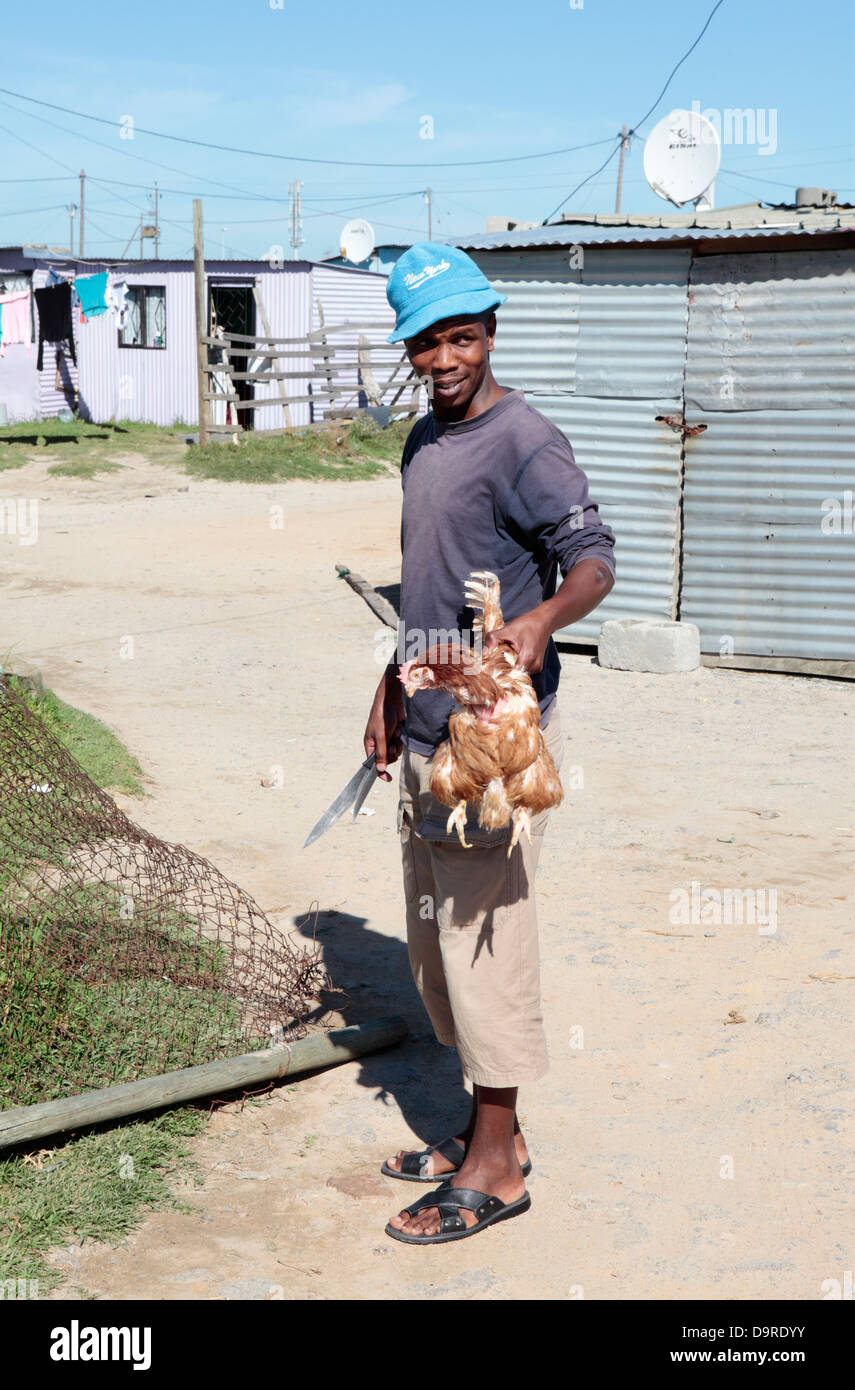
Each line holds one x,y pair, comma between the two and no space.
538,334
600,349
154,385
159,386
772,331
632,322
763,574
633,470
771,372
350,296
19,382
287,298
58,378
57,381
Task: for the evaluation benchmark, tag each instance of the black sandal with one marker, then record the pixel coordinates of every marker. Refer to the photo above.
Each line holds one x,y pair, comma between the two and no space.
413,1164
450,1201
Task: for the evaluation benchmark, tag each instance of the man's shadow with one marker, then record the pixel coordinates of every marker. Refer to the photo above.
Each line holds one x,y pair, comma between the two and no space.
371,973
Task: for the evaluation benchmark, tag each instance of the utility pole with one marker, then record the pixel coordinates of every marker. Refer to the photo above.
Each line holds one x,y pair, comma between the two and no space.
82,204
131,237
624,145
201,317
296,223
156,228
430,213
72,208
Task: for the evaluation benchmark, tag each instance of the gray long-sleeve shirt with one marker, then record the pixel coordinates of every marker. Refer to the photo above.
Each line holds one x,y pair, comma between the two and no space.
500,492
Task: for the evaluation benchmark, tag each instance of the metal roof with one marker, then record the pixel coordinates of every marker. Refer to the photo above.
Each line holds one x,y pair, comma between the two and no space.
213,264
615,229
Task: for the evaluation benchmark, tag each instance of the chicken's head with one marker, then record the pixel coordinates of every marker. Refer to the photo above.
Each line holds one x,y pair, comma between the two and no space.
461,676
416,675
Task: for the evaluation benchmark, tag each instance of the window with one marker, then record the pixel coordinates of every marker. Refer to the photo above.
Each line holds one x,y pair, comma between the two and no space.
145,326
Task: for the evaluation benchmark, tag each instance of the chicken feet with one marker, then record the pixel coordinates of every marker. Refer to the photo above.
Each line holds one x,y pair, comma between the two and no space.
521,821
458,820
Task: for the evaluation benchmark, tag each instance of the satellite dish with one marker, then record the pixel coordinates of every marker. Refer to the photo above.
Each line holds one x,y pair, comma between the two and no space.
681,157
357,240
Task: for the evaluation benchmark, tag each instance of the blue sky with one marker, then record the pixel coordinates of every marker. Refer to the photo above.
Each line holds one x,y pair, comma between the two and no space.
355,83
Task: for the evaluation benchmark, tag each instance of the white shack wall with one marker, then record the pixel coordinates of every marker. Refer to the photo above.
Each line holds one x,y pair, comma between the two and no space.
287,298
158,386
358,297
153,385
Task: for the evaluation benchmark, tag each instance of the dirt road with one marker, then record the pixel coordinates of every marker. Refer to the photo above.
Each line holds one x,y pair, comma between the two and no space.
693,1137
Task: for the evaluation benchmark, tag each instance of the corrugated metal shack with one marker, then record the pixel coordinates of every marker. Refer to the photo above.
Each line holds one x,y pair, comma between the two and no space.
155,380
703,368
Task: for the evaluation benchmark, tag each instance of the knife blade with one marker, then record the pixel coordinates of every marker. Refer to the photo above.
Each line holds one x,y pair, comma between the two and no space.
352,795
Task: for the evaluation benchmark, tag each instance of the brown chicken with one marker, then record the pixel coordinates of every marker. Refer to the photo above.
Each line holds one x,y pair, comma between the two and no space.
495,756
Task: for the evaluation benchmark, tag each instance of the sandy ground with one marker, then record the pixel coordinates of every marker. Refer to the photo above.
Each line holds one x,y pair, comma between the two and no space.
693,1139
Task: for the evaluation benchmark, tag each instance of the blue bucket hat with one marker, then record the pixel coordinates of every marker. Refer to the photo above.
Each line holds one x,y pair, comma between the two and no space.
431,282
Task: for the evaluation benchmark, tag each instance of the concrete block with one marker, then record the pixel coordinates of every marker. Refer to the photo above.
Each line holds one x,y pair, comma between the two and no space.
640,644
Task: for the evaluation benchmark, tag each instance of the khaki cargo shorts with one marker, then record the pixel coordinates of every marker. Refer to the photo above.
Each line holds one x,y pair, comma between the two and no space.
472,929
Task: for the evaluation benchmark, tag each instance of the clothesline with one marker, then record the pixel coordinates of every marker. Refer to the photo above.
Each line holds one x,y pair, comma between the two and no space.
95,295
88,260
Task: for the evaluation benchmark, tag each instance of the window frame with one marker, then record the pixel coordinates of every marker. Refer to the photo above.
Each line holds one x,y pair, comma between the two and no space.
144,291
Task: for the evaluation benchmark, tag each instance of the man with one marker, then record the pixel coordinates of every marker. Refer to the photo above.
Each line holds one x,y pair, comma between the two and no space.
489,483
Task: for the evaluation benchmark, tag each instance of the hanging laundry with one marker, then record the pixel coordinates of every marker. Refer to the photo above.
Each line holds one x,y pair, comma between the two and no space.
119,303
91,290
16,321
54,306
54,277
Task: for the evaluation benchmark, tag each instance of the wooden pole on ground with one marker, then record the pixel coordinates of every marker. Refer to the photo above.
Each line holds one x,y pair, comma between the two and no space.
31,1122
201,316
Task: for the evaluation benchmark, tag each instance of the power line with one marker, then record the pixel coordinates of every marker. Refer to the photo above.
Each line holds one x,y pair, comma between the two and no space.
15,136
638,124
584,181
128,154
43,178
25,212
757,179
307,159
716,6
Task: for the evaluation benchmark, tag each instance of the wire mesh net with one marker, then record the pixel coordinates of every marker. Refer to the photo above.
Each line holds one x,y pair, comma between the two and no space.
121,956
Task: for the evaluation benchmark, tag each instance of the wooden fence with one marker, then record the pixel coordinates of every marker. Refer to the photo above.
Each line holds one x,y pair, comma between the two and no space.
337,371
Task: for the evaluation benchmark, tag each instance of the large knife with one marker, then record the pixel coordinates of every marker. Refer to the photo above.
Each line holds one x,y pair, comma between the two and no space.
353,795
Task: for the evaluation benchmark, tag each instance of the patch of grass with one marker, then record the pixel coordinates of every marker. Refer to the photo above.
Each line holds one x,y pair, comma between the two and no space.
82,1004
54,431
83,468
90,449
352,451
13,458
99,752
365,436
92,1188
75,994
62,1022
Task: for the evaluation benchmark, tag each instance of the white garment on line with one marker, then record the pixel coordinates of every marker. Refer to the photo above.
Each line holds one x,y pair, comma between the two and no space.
117,294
